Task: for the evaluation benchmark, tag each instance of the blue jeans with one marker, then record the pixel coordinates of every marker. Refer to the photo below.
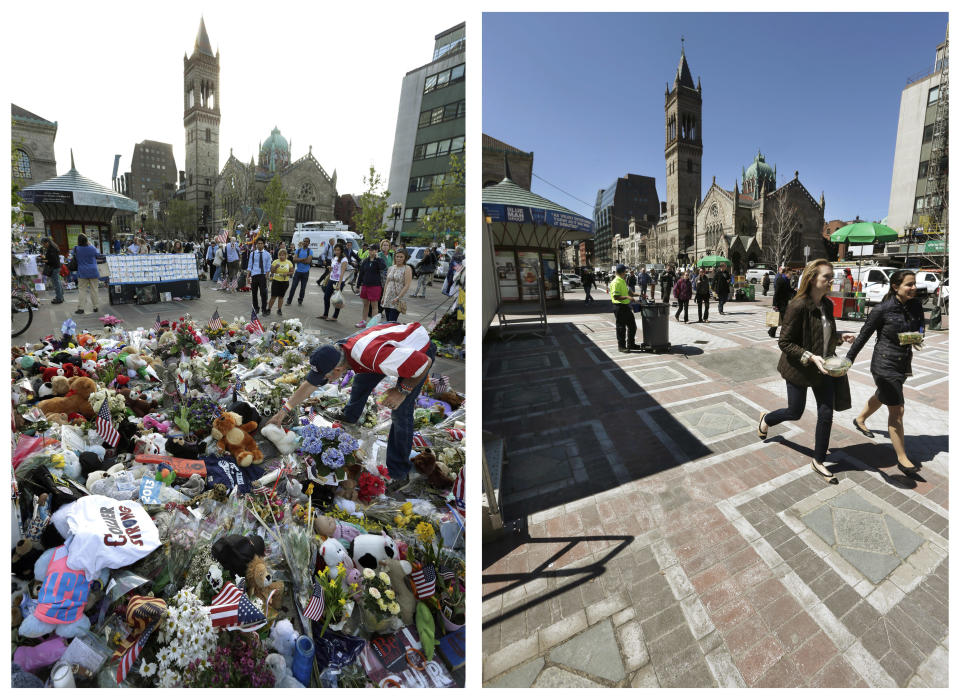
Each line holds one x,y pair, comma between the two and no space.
797,401
301,279
216,272
57,283
400,440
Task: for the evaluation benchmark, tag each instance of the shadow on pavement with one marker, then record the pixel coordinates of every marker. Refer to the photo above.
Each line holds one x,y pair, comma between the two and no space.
578,575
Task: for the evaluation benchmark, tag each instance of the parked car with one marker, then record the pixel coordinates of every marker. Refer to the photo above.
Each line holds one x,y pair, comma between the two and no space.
755,273
571,281
443,264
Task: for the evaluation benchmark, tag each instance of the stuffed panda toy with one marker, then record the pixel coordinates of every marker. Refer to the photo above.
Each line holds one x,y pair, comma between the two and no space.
367,550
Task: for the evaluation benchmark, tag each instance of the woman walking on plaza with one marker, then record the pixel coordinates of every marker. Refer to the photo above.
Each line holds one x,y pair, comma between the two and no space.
682,291
88,276
809,335
899,312
280,272
370,283
338,271
702,287
398,280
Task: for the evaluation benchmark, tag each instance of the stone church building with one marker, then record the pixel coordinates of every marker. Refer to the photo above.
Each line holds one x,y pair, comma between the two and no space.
744,226
241,187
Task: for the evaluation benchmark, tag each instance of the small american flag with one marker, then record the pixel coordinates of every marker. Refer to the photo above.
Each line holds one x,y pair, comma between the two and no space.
217,411
254,326
105,427
224,608
249,618
455,434
236,387
447,573
144,614
458,487
424,581
156,326
420,441
133,652
215,322
222,238
440,383
315,605
233,284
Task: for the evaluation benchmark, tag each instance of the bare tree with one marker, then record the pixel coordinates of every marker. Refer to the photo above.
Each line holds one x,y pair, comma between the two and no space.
783,234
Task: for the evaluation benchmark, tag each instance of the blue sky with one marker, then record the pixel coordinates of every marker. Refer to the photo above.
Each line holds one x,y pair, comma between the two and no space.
818,93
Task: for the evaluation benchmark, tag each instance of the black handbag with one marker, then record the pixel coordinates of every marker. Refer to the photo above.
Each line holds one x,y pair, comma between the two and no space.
72,265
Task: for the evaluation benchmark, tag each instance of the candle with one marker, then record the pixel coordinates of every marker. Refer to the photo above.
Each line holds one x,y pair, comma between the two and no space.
62,676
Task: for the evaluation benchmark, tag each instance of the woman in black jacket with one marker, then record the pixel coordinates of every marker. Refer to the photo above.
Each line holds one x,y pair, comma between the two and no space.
899,312
701,289
809,335
781,296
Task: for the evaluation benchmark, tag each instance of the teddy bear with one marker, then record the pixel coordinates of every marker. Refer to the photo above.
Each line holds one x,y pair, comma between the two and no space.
367,550
235,552
333,554
284,440
136,403
283,639
398,572
235,437
62,598
75,401
437,474
260,583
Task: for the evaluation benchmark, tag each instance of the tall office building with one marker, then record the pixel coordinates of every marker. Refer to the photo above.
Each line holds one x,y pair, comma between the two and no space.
431,126
633,196
917,138
152,175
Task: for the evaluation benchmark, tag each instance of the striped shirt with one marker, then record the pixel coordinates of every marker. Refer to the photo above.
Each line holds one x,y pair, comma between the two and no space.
392,349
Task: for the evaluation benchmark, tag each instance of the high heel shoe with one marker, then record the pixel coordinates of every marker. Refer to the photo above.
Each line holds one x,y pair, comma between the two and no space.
908,471
862,430
761,433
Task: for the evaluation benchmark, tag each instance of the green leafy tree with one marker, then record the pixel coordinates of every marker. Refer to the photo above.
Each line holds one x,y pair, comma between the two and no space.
445,202
274,206
369,220
181,217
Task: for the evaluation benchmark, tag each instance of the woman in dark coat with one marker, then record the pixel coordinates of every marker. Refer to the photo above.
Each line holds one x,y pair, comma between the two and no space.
781,296
702,291
682,291
809,335
899,312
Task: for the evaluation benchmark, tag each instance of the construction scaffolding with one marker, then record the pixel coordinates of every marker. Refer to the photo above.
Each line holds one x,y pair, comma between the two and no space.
935,214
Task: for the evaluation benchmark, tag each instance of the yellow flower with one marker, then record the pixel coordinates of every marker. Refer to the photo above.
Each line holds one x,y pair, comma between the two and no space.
384,577
394,608
341,567
390,594
424,532
398,520
406,508
343,602
353,586
382,605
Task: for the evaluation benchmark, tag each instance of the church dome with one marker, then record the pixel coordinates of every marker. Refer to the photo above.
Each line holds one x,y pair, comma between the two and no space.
759,173
275,152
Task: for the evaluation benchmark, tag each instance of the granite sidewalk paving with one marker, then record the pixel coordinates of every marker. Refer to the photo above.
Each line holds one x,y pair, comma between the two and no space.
663,544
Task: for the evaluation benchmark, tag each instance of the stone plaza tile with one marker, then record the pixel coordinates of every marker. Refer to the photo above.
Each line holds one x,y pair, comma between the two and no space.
713,559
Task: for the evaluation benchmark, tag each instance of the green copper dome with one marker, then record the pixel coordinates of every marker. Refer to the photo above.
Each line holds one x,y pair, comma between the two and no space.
275,152
759,173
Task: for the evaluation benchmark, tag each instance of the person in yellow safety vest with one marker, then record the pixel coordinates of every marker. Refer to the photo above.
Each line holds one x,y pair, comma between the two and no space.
626,323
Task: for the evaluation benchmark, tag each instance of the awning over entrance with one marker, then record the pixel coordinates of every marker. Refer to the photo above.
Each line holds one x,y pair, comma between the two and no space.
521,218
74,197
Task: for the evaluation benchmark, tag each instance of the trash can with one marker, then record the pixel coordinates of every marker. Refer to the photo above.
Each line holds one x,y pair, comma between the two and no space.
656,324
749,292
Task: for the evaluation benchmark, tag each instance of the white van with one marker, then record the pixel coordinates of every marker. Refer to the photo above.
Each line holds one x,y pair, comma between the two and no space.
875,281
319,241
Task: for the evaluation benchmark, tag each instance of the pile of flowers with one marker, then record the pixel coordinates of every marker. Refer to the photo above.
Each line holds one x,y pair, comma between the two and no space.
110,321
332,448
187,637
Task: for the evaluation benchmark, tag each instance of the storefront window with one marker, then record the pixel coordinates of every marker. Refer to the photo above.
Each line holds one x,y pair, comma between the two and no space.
506,275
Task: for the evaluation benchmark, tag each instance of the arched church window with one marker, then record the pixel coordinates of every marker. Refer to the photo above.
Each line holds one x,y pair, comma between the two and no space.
307,193
21,165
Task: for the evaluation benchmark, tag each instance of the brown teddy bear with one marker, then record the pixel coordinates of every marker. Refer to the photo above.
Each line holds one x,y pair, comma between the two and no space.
235,437
426,463
136,403
259,583
75,401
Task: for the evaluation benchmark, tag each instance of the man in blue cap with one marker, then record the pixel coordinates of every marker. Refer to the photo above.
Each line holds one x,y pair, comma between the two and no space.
401,350
626,323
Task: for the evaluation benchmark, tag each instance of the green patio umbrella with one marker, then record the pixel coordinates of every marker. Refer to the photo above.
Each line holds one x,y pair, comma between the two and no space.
713,261
864,233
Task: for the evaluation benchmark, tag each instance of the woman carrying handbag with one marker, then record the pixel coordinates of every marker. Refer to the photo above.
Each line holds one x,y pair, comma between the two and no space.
810,335
398,280
338,267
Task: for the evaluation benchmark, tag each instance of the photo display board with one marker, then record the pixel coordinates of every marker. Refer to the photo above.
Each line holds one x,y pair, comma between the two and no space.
146,269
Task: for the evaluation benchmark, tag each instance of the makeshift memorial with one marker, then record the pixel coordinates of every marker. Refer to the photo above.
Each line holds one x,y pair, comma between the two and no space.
144,554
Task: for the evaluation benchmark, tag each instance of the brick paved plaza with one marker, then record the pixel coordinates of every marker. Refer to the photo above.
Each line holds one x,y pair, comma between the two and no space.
662,544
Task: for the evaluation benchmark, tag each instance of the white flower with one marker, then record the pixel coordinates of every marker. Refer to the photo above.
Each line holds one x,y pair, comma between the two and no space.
368,574
394,608
375,593
384,577
148,669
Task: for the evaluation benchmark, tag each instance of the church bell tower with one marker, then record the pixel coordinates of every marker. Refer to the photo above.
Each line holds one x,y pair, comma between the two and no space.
683,152
201,123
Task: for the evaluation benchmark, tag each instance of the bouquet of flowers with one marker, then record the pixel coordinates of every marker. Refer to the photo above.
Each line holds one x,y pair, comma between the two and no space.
187,637
332,449
110,321
380,606
338,601
238,664
219,374
370,486
195,416
188,338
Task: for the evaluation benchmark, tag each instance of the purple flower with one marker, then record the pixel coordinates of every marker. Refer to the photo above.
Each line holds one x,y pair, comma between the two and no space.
332,458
